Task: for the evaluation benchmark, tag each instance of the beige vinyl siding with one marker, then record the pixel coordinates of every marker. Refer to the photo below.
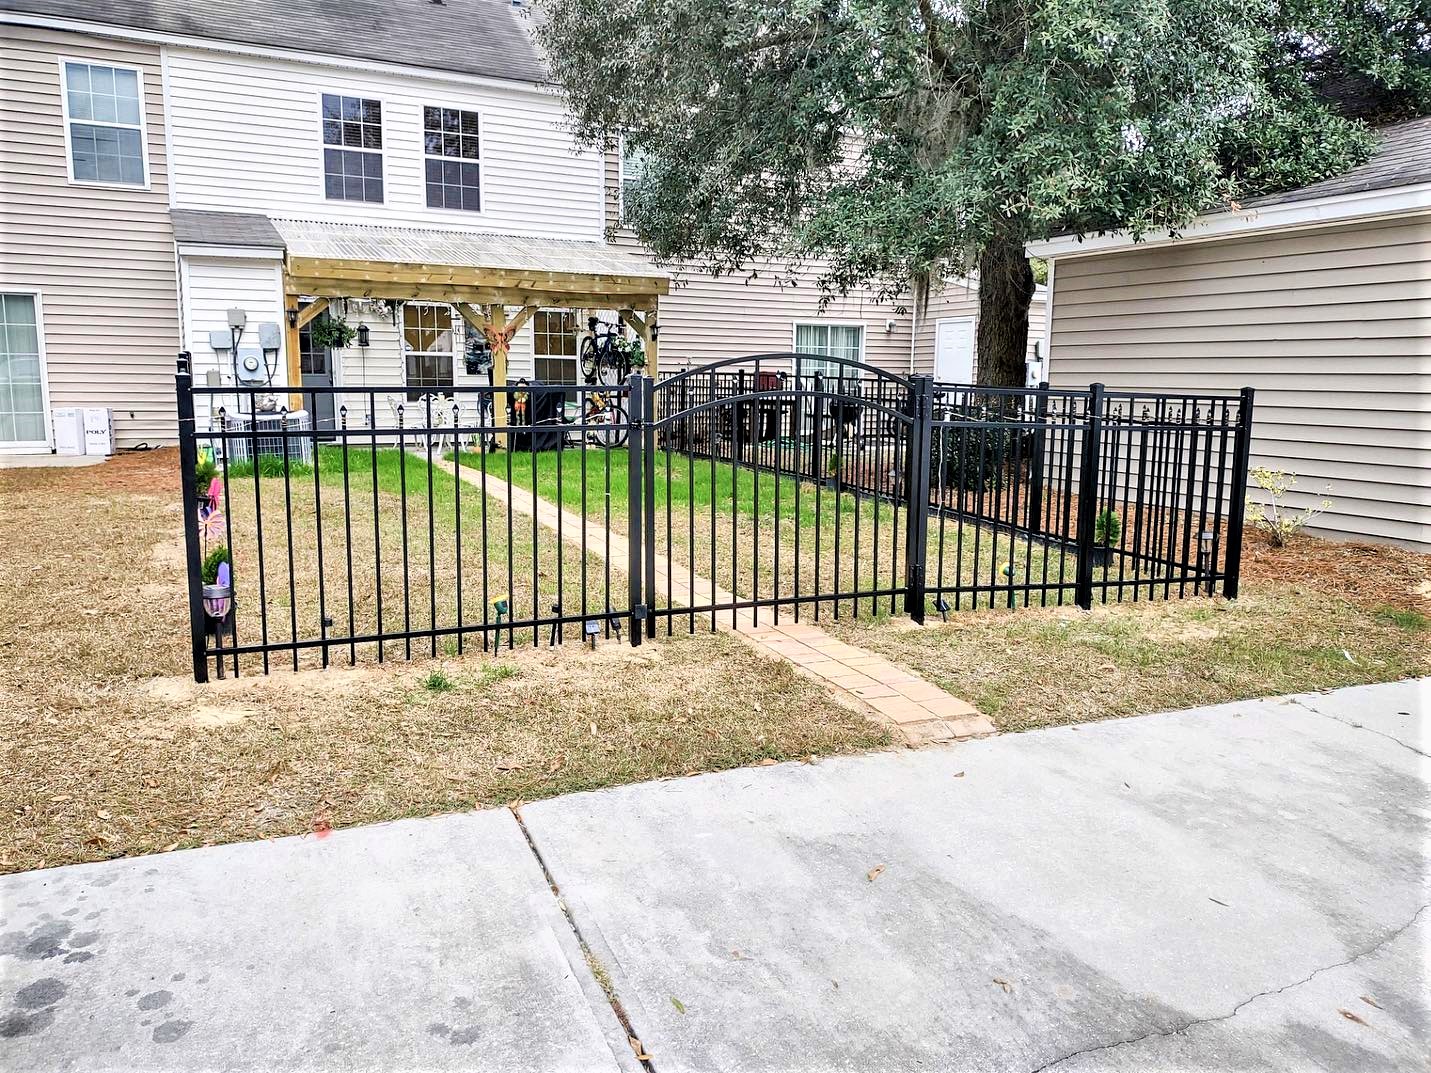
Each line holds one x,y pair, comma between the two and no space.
101,257
960,298
707,318
1332,326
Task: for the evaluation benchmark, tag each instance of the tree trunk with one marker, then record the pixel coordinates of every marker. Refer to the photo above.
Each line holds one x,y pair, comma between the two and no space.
1006,287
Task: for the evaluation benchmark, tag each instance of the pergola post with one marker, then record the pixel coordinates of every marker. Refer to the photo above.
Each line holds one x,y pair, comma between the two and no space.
296,320
647,328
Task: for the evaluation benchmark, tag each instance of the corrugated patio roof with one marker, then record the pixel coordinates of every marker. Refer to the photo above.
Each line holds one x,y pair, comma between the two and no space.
519,255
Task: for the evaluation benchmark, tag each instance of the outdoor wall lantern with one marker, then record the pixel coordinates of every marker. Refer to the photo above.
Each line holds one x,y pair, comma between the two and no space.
363,338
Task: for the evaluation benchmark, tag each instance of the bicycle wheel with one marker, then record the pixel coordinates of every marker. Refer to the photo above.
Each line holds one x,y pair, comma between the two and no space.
588,358
612,427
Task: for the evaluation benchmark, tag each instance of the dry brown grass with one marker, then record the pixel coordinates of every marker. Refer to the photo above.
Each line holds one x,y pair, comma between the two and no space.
1316,615
106,749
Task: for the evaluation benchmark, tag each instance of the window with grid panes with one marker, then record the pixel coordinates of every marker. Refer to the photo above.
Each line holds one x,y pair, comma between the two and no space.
451,146
427,347
352,148
105,126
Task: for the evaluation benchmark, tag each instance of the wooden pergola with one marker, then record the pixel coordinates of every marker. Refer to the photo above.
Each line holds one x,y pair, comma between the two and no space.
481,276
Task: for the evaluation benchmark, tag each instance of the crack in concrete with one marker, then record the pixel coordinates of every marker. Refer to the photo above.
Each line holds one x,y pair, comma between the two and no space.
1195,1022
1361,726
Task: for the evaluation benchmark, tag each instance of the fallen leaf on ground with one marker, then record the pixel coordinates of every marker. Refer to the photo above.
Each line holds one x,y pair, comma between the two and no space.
1008,987
769,761
641,1055
103,815
1351,1016
680,1006
1371,1001
875,872
958,774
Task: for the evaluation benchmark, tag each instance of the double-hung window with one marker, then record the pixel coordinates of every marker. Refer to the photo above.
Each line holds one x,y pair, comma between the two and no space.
104,123
451,146
427,344
352,148
832,341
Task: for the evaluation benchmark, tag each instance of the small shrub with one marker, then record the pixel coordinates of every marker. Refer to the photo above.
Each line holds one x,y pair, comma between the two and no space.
204,472
1275,518
970,459
1107,527
209,571
270,466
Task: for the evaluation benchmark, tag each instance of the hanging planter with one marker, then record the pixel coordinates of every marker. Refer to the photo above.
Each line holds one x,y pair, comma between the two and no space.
332,333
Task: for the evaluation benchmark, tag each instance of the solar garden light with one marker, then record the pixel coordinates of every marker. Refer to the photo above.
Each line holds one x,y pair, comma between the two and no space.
218,604
942,606
1204,557
556,610
502,608
592,628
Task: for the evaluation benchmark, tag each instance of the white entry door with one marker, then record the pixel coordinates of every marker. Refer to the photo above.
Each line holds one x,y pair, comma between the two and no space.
954,350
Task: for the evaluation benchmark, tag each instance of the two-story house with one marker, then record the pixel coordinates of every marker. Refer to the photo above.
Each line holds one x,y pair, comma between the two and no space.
182,177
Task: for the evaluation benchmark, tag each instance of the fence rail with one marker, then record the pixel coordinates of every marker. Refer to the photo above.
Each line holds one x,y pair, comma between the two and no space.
769,485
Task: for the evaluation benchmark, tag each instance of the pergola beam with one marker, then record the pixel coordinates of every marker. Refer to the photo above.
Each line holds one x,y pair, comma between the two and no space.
479,296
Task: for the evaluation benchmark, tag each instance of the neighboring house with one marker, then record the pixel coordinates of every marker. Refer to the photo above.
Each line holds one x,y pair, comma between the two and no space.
946,331
89,312
1319,298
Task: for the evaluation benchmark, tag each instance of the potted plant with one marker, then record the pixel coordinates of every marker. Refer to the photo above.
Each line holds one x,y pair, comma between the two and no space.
1107,530
332,333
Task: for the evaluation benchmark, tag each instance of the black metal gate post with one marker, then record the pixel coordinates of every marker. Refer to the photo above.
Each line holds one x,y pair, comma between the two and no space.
635,524
648,498
193,559
916,490
1034,517
1237,508
1088,498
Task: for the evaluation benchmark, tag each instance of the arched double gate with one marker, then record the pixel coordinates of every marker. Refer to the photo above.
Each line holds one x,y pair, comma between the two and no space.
778,486
752,490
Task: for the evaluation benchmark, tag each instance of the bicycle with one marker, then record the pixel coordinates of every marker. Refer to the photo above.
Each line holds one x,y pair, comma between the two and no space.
606,350
605,411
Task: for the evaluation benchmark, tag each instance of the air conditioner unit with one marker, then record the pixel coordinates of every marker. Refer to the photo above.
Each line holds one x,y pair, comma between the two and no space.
270,437
98,430
69,430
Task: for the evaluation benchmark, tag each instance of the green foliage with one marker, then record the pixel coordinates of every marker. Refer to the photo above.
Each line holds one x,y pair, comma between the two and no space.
1107,527
975,458
438,682
270,466
892,143
209,570
1403,617
332,333
204,472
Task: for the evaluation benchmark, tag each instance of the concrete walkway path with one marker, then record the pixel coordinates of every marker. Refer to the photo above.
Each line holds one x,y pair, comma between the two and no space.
1243,887
915,709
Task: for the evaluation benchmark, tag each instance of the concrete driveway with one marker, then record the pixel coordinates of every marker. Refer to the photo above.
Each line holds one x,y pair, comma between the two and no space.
1234,888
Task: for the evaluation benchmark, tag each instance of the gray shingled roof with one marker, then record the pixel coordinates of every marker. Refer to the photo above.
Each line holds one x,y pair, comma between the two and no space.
475,37
1402,159
224,229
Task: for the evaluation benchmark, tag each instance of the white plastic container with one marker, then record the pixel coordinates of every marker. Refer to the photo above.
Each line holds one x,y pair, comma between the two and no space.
98,431
69,430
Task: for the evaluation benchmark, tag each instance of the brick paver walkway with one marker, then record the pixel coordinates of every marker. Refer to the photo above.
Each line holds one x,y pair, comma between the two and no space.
917,709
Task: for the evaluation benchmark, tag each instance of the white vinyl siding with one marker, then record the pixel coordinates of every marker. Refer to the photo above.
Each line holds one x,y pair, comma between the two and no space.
100,255
213,286
247,138
960,298
1331,326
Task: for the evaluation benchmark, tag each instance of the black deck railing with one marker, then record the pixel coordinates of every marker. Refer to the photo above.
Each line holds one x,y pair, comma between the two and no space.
770,485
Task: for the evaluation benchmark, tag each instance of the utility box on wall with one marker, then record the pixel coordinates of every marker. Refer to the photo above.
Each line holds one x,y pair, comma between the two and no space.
98,431
69,430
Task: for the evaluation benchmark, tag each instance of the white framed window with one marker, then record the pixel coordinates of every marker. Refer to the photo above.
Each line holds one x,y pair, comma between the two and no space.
845,341
352,148
452,149
22,371
427,349
103,107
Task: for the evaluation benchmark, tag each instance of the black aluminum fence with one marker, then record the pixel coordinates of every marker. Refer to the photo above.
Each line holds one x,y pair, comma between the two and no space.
729,494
